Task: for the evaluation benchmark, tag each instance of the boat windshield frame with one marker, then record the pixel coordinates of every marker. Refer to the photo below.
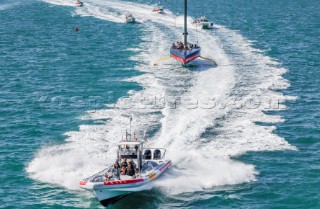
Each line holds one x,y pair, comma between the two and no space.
130,150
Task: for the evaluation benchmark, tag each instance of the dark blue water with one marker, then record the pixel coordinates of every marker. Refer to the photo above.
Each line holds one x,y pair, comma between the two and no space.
52,75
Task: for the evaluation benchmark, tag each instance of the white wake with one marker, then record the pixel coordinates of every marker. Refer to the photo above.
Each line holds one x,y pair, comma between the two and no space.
209,114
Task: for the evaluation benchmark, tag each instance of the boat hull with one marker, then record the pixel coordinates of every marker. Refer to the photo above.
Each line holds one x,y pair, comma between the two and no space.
184,56
206,25
203,25
112,200
113,193
159,11
131,20
79,4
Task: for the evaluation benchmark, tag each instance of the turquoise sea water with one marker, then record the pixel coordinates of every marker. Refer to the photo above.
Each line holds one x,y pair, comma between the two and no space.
66,95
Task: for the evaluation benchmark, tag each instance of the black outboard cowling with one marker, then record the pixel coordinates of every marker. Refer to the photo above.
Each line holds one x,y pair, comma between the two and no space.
147,154
157,154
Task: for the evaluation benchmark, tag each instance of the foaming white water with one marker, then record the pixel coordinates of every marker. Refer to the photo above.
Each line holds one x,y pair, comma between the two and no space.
61,2
203,116
5,6
10,5
205,175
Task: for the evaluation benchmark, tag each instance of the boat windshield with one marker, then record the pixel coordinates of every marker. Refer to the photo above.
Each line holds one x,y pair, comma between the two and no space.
101,176
127,151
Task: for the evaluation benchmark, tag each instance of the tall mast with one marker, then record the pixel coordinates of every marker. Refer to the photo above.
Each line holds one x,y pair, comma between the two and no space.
185,23
130,126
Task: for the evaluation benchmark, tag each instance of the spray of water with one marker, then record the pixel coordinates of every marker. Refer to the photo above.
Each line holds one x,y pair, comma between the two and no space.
203,116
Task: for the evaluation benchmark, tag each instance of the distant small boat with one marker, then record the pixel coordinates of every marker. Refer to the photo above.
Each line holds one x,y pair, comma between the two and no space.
79,3
203,23
158,10
130,18
185,52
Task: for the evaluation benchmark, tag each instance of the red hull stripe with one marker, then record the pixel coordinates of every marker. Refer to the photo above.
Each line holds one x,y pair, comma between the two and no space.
184,61
165,166
130,181
83,183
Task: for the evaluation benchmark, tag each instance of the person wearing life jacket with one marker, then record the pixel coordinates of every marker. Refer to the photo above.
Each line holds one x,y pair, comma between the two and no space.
130,170
116,170
123,170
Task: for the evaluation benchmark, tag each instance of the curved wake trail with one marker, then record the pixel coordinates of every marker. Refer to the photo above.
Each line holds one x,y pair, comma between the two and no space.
203,116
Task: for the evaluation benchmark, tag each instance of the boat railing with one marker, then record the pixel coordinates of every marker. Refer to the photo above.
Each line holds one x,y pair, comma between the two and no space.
99,177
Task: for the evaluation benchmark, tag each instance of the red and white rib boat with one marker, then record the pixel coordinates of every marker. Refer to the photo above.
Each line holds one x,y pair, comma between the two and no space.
158,10
79,3
109,187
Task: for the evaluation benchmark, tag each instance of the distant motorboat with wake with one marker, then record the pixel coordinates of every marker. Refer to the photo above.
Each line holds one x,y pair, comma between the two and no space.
184,52
143,167
79,3
158,9
130,18
203,23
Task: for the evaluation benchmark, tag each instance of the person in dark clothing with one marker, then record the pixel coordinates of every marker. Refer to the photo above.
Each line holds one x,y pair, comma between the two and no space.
130,170
116,170
133,164
124,162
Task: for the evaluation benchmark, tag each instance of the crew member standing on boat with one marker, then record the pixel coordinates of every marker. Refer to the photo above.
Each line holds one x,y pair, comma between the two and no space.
127,151
116,170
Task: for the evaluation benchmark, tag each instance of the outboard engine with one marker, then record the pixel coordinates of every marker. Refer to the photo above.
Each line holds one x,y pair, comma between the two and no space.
147,154
157,154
